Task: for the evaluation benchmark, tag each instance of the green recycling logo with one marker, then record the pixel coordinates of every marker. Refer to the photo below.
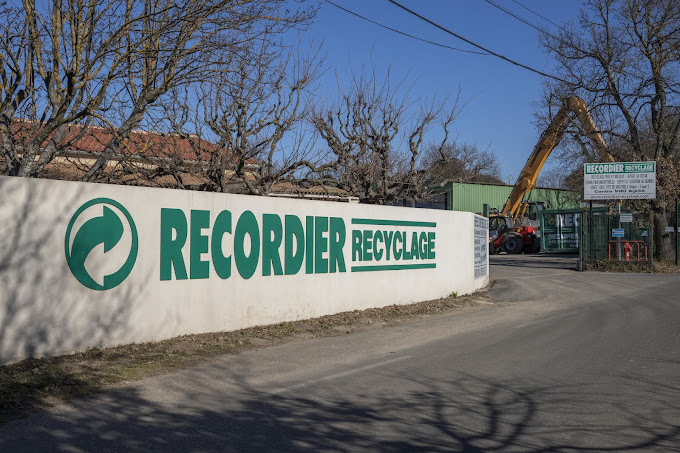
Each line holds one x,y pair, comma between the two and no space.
102,226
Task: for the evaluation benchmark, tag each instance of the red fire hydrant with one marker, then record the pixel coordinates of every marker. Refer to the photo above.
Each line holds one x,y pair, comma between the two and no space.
626,250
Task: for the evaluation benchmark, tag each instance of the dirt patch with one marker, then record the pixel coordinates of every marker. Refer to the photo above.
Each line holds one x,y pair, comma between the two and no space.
35,383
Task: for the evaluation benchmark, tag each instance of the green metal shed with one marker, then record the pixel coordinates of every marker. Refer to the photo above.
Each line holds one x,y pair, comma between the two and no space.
471,197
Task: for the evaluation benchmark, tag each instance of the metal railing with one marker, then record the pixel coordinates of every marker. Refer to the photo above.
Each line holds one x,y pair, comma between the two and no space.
627,256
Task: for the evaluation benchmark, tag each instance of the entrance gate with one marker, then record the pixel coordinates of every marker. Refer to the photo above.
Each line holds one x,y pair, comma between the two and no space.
615,238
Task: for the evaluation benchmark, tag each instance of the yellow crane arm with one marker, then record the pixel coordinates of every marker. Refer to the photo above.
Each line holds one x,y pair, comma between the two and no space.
550,138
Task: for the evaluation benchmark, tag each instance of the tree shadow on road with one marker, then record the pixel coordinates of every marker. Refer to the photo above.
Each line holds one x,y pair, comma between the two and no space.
466,413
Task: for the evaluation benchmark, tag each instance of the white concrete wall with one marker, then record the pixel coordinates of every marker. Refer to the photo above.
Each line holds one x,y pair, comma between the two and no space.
45,310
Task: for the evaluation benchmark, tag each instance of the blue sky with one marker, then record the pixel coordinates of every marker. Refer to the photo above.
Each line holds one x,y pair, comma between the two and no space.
500,116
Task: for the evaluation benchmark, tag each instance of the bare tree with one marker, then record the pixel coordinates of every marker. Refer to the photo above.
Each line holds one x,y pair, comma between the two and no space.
376,136
462,163
554,178
67,65
250,109
623,58
245,126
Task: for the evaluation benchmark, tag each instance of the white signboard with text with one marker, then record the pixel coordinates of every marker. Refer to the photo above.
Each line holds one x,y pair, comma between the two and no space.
481,246
619,181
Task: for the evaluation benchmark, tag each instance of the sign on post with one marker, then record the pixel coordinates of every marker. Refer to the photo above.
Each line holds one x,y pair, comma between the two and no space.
619,181
617,232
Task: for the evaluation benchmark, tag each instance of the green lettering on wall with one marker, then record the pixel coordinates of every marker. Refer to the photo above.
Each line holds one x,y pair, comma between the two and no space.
367,253
246,264
377,237
294,252
221,263
309,239
397,251
388,235
320,245
272,234
406,248
337,242
430,245
171,250
356,245
422,242
198,244
415,251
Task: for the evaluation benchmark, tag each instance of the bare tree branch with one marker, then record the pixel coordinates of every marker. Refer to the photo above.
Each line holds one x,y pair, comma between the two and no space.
66,65
366,130
624,55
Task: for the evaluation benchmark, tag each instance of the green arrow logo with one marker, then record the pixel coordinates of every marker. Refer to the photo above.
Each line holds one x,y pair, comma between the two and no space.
108,230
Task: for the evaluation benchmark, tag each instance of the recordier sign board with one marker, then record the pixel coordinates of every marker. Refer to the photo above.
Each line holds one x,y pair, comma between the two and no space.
619,181
86,265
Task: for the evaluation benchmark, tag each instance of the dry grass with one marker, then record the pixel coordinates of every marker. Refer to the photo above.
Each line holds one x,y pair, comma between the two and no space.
659,267
666,267
617,266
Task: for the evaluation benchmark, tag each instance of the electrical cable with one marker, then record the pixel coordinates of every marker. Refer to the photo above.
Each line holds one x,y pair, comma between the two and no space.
521,19
542,17
556,38
485,50
535,27
403,33
566,31
491,52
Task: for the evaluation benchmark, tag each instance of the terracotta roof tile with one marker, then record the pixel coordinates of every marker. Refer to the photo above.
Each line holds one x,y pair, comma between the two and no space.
148,144
289,187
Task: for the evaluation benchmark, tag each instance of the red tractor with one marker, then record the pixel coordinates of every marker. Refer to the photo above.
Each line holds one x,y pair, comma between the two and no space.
505,236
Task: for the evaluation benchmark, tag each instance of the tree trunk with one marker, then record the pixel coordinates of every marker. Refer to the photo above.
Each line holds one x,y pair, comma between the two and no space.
663,242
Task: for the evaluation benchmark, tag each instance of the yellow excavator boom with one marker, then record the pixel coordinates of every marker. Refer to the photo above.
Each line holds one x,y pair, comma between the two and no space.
515,206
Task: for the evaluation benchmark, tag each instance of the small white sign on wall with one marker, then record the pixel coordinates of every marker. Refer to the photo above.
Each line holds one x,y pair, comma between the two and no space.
481,246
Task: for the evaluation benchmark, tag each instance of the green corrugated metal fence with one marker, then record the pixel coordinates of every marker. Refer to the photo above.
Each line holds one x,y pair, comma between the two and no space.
471,197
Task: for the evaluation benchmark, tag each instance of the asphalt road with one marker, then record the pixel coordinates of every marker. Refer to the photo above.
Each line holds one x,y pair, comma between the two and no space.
562,361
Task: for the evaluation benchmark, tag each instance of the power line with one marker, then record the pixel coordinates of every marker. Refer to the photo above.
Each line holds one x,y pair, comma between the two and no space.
556,38
521,19
404,33
535,27
502,57
567,32
542,17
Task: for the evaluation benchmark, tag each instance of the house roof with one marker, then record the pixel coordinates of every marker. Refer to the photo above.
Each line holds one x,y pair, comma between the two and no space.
93,140
81,142
292,188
